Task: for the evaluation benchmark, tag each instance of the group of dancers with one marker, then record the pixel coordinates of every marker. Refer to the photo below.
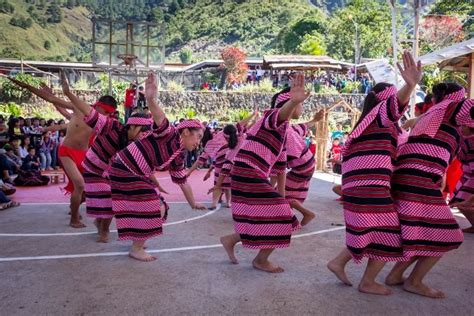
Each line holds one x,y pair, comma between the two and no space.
393,207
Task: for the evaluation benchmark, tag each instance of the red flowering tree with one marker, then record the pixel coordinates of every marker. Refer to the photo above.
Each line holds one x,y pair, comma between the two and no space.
234,63
441,31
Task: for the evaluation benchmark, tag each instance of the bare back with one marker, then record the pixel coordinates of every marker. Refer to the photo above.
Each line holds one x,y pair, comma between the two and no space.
78,133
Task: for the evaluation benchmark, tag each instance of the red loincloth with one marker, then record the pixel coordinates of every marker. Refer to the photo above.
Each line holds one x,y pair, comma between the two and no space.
78,157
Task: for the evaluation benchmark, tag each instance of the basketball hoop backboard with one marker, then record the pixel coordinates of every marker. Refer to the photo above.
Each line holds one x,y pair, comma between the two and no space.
114,43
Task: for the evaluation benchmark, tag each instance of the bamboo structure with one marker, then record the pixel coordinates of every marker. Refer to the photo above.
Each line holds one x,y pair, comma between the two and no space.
322,131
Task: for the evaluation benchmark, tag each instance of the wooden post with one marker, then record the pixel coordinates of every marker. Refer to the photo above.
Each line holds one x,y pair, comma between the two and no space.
470,77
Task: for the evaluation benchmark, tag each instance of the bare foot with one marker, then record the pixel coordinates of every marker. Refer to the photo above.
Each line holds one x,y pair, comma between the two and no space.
393,280
374,288
267,266
141,255
229,248
212,207
103,237
80,216
469,230
77,224
307,218
423,290
338,270
227,205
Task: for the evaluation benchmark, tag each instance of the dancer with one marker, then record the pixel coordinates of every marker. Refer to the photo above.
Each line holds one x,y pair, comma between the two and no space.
428,227
372,225
263,218
73,149
465,187
111,137
233,135
301,163
138,209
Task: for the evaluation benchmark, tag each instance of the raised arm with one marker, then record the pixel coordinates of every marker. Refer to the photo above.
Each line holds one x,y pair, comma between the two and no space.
411,73
79,104
44,93
298,95
318,116
151,95
63,112
245,122
55,128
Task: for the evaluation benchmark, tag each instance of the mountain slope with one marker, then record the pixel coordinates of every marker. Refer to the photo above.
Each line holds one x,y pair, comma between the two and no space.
67,39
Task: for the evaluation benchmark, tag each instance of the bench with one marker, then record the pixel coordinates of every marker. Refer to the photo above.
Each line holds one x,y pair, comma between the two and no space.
55,175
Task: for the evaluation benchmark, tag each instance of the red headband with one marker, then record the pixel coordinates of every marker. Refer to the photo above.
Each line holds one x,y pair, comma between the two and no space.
141,121
107,107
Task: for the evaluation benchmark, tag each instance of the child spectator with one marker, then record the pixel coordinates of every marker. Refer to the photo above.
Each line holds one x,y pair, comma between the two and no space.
46,147
31,161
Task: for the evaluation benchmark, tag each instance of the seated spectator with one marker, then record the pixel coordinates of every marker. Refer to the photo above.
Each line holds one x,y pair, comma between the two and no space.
31,161
45,150
13,159
14,127
5,167
6,202
23,150
3,133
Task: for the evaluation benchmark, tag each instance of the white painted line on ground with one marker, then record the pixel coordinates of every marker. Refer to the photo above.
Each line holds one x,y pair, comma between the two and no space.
67,203
112,254
328,177
95,232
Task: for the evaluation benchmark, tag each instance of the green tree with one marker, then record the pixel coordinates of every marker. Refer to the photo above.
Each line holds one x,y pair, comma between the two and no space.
186,56
373,20
312,44
10,92
6,7
54,13
291,36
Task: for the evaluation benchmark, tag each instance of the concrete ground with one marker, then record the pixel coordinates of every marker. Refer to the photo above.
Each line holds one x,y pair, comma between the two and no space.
49,268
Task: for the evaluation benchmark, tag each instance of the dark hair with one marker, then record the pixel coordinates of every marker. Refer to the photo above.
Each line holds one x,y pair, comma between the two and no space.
22,144
110,100
31,147
420,105
275,97
427,99
207,136
11,125
231,131
441,90
123,137
370,100
50,121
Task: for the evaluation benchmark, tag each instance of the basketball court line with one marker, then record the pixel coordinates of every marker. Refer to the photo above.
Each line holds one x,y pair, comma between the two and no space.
112,231
112,254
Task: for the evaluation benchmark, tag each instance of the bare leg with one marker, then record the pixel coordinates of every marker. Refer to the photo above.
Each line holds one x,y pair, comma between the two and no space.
308,216
470,217
337,189
338,265
215,199
368,284
97,224
104,230
414,283
229,242
227,198
261,262
76,196
395,277
138,253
